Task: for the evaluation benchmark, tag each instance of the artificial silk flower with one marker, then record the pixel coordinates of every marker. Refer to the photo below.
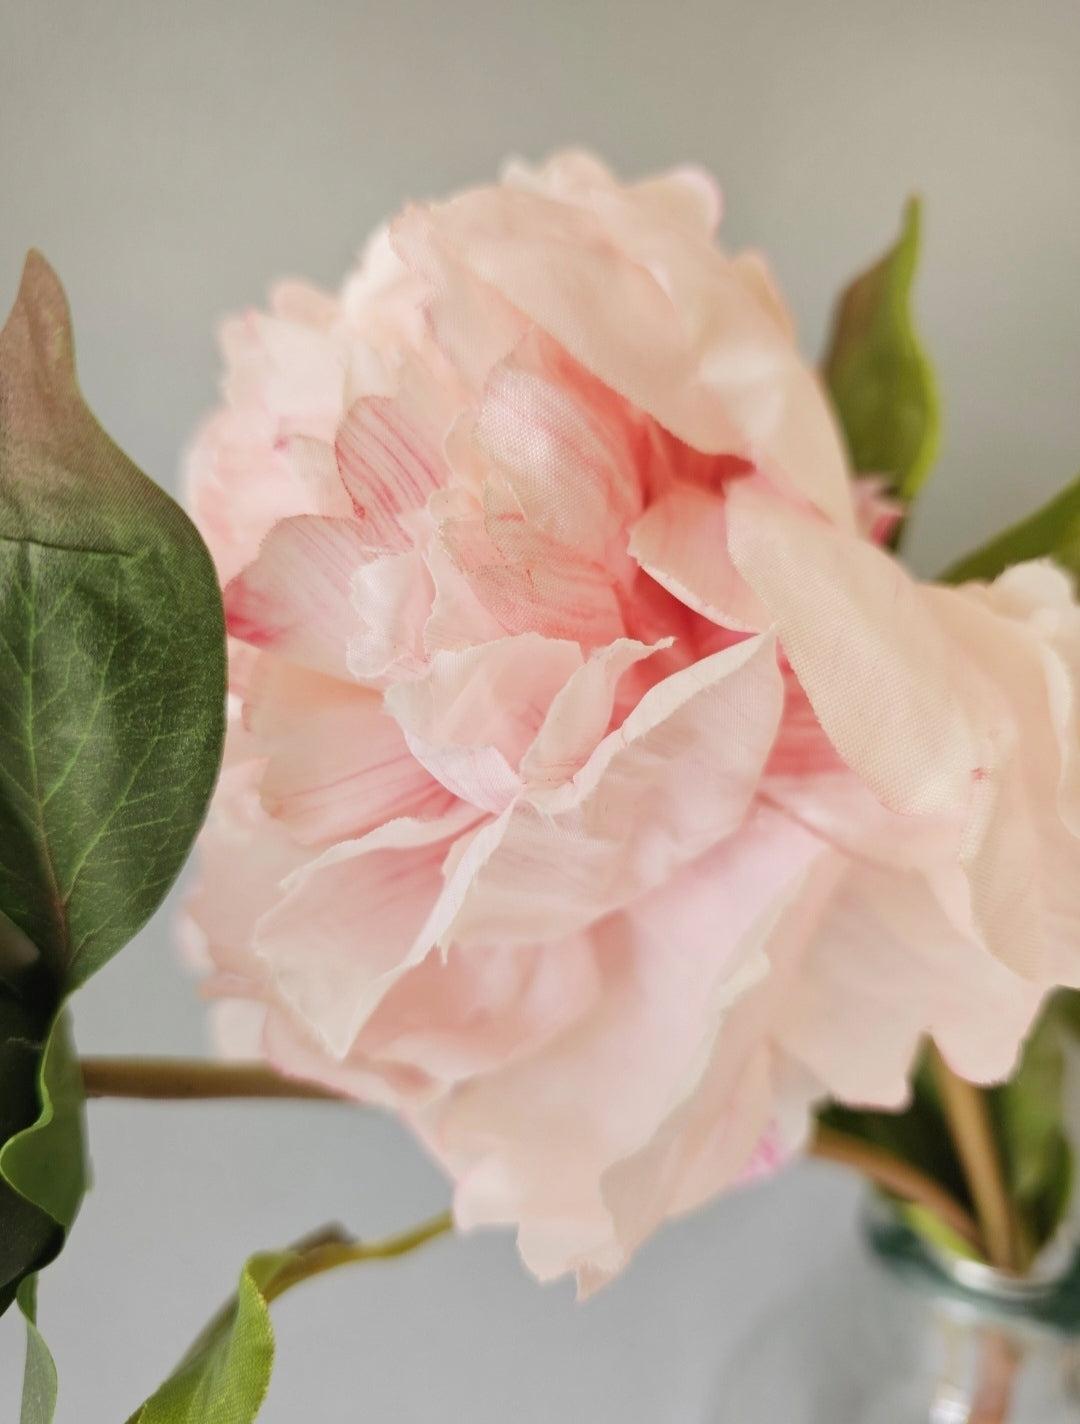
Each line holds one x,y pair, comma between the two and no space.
599,793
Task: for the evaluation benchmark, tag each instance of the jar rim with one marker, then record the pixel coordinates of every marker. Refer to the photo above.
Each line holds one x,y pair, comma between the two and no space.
1049,1293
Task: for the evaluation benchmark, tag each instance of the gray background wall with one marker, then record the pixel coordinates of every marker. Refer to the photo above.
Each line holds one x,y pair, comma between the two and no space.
171,160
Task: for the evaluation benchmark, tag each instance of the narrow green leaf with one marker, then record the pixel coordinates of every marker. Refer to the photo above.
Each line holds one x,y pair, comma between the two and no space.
224,1377
925,1224
112,660
878,374
27,1233
39,1377
43,1173
1052,532
1028,1113
46,1162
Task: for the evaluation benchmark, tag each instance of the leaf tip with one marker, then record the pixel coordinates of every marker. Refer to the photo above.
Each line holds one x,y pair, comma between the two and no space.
40,317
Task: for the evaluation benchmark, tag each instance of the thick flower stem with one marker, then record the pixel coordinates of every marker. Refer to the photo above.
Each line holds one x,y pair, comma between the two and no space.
898,1177
968,1117
172,1079
190,1079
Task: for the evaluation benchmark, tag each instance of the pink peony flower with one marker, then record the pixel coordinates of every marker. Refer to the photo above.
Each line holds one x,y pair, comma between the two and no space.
598,794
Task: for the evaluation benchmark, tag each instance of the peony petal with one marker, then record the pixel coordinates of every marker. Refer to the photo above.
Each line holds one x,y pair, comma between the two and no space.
566,451
663,321
886,685
349,924
581,712
496,695
681,541
391,462
392,598
475,1012
885,967
549,1126
1020,858
336,764
294,599
293,371
548,590
673,781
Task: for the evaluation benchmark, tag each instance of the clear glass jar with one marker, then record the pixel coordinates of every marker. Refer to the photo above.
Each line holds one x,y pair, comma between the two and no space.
892,1332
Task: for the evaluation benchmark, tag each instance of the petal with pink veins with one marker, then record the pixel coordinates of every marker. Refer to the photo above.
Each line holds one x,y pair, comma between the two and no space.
350,923
294,600
581,712
336,764
675,779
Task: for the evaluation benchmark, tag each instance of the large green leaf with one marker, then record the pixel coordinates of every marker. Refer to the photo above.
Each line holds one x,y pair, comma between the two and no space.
112,660
878,374
112,701
224,1377
1052,532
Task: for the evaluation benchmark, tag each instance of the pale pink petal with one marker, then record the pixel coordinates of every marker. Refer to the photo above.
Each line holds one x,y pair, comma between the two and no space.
243,859
754,272
293,371
767,888
1020,858
294,600
581,712
392,598
565,449
238,481
294,300
885,967
883,679
556,1121
473,324
681,541
336,763
475,1012
666,323
457,619
391,461
1041,595
674,780
548,590
349,924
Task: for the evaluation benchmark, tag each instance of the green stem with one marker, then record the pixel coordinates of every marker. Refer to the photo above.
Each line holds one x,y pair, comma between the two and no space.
329,1249
173,1079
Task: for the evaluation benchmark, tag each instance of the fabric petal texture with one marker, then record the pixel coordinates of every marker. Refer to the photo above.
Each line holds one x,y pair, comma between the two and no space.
600,793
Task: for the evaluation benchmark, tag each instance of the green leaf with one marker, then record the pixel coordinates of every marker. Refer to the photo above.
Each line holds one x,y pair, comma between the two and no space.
39,1377
112,660
224,1377
1028,1113
27,1233
46,1162
42,1160
931,1228
879,377
1052,532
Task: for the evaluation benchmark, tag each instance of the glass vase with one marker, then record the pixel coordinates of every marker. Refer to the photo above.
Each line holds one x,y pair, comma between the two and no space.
894,1332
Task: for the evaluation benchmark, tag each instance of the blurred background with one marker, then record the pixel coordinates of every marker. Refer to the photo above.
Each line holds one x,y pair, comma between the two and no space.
171,160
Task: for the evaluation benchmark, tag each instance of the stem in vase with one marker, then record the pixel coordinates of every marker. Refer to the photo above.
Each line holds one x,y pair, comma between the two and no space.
967,1114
